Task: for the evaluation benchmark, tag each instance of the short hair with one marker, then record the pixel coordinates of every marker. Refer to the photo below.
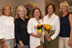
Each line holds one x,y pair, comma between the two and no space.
17,10
32,13
3,8
46,8
65,4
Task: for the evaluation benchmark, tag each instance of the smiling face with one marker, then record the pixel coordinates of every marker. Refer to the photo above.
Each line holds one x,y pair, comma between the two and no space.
21,12
63,8
50,9
7,11
36,13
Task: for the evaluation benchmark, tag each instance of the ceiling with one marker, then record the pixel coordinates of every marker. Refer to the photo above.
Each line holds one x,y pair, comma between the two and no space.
69,1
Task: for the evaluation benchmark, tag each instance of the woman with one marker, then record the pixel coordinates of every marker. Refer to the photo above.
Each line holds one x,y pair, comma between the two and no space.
65,36
22,37
7,26
36,18
52,19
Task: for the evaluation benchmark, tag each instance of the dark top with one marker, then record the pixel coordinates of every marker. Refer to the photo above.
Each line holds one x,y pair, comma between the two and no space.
64,26
21,31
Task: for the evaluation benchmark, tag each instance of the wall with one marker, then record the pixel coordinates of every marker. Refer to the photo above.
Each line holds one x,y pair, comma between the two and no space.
70,8
54,1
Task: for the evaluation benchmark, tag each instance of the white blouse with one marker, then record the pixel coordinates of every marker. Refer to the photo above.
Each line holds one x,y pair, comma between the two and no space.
55,22
6,27
34,42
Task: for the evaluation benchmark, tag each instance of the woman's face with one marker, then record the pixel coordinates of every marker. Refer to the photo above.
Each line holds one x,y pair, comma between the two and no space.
36,13
63,8
7,11
21,12
50,9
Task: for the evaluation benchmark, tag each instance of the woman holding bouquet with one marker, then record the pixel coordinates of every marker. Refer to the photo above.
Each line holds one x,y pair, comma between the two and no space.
35,19
52,19
21,35
65,36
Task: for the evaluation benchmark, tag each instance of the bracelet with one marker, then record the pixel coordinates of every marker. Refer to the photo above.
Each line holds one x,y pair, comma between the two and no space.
70,39
3,42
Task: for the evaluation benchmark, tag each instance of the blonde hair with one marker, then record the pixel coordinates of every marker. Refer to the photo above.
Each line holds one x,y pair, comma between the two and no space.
65,4
17,15
3,8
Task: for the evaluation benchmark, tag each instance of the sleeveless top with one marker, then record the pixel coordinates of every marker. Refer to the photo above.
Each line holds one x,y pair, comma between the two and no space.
64,26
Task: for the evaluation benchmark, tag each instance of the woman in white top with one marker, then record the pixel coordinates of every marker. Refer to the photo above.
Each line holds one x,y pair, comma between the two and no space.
7,27
36,18
52,19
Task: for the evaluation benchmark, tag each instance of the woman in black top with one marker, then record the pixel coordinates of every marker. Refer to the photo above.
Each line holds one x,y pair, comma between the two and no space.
22,37
65,36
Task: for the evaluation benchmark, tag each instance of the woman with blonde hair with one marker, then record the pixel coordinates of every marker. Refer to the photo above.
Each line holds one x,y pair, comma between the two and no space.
21,35
65,36
7,26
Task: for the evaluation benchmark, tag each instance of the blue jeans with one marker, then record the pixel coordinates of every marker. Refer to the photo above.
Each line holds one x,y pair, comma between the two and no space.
25,46
9,43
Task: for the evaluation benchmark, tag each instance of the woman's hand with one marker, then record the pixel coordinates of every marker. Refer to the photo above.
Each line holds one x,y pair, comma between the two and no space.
45,37
4,45
35,27
14,42
35,35
70,42
21,44
49,39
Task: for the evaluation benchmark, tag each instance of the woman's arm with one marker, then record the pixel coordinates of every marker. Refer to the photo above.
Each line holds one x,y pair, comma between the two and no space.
2,34
30,28
38,36
14,42
70,39
3,43
57,28
16,31
17,35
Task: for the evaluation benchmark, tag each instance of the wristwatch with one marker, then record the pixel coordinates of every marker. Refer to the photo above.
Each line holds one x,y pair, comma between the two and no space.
70,39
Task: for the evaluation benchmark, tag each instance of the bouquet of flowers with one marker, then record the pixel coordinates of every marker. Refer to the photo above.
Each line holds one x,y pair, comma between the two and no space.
48,30
29,7
39,30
